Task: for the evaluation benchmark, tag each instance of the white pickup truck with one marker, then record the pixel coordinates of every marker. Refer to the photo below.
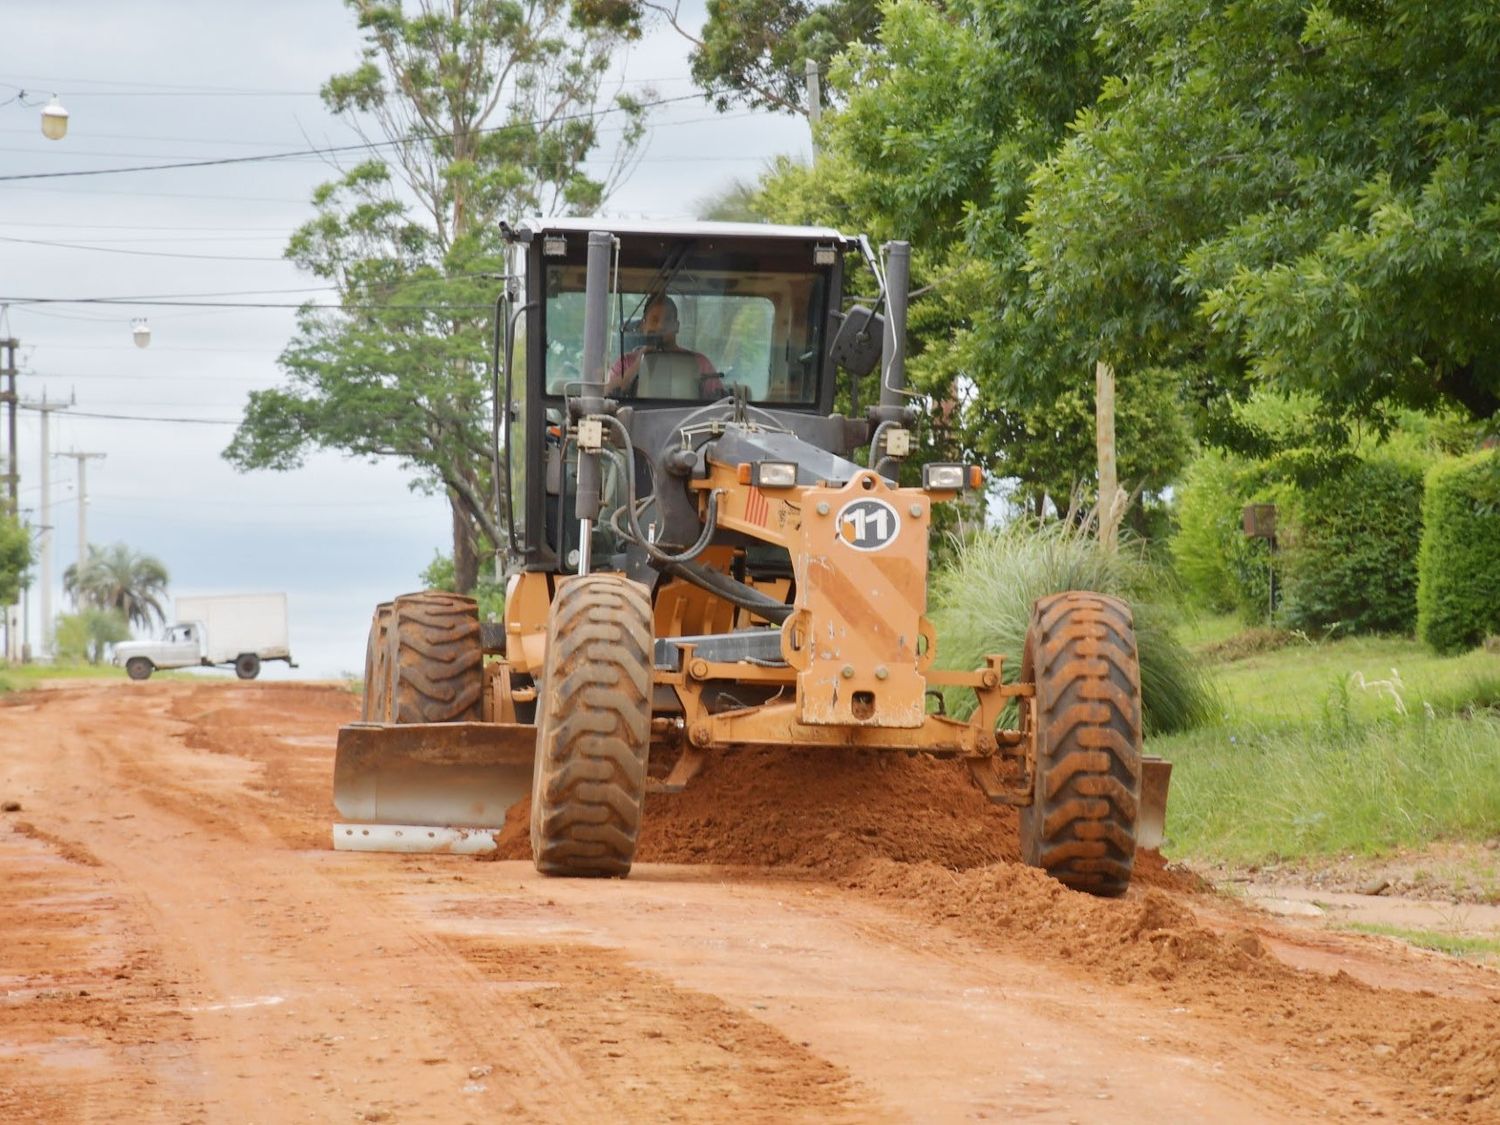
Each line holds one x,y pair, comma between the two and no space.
243,630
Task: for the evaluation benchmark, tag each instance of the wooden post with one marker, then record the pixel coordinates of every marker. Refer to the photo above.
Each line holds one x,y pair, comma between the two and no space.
1104,439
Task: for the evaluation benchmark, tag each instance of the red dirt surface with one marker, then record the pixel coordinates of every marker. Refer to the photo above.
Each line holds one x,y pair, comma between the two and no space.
807,937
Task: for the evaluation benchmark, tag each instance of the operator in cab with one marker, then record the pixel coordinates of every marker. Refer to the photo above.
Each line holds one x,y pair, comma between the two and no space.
662,368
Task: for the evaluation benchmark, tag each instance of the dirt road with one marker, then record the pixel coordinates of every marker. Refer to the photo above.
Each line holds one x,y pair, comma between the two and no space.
178,943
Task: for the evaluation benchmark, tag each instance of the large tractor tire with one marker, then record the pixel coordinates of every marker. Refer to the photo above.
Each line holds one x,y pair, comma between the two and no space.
1081,824
377,701
594,728
435,659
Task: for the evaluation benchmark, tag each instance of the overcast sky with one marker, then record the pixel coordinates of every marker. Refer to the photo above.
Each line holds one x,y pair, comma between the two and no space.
164,81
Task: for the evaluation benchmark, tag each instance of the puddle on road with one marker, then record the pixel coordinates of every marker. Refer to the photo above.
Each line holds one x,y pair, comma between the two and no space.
236,1005
66,1053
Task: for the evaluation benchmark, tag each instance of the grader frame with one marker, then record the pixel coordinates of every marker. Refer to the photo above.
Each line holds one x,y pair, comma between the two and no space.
779,600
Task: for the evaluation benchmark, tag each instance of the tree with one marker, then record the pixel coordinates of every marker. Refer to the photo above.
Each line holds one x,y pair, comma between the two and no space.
1302,197
478,112
940,125
15,558
120,580
87,634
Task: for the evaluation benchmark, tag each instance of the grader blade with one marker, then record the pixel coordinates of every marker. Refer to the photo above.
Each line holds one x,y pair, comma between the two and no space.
1151,817
428,787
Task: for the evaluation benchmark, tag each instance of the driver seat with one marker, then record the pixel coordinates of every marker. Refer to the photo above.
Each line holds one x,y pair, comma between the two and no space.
674,375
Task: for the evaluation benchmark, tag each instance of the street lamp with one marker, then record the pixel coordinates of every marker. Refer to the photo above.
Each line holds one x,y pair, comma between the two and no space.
54,120
54,117
141,331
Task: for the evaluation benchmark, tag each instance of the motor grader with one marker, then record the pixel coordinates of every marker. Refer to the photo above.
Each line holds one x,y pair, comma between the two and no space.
704,556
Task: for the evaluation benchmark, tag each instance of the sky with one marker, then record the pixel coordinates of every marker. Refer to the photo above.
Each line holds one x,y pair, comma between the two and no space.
156,82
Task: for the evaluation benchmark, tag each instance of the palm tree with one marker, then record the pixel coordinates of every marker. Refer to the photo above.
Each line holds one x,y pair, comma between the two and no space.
118,578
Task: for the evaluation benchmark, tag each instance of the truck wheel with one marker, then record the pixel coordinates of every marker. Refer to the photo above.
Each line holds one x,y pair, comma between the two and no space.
435,659
594,728
138,668
377,701
1081,824
247,665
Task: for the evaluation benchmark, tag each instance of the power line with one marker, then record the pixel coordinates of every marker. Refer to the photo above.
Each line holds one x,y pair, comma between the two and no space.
144,253
145,418
242,304
366,146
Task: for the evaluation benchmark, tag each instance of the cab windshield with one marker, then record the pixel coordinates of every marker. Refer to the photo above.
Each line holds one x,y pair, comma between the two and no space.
691,324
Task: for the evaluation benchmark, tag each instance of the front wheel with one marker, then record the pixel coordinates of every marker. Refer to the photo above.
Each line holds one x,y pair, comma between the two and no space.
1081,824
138,668
247,665
434,659
593,728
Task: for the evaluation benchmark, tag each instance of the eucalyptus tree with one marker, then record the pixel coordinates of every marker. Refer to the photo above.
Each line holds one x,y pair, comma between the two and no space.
475,112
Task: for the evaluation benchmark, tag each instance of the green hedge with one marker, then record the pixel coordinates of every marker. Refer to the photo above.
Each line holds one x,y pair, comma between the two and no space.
1352,561
1458,592
1221,569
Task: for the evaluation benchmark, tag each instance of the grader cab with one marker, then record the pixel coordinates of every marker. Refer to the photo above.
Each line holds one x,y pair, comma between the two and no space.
705,556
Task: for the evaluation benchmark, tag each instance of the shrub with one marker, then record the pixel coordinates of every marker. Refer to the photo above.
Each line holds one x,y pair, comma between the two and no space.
1354,563
1221,569
87,634
1459,565
982,604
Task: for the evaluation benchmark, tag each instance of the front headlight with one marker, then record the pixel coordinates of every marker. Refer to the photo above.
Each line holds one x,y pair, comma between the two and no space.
773,474
943,478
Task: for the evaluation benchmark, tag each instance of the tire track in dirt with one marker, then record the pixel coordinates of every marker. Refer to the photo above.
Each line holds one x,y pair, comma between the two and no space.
371,985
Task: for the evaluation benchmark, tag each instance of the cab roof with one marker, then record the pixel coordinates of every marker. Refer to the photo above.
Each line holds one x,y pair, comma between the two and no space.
529,228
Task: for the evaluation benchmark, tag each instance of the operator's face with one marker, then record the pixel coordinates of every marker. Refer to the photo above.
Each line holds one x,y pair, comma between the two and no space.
657,321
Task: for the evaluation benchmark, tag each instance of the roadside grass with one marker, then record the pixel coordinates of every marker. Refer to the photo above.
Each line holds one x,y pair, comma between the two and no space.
1482,949
20,677
1354,746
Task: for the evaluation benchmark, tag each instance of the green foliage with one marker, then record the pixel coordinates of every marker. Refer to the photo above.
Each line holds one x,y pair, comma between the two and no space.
1250,793
1357,745
1353,564
754,51
489,113
1221,569
981,604
15,558
117,580
1287,195
87,634
489,593
1459,564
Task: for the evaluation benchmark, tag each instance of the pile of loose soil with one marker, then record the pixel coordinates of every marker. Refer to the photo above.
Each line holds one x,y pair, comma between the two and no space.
828,810
816,809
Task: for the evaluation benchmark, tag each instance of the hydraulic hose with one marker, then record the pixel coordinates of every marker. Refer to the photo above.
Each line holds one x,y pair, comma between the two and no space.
665,558
682,565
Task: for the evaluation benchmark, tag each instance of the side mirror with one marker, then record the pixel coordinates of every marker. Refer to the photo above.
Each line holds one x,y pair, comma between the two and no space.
856,347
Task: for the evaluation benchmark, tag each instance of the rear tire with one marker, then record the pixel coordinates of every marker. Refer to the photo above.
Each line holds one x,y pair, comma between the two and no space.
1081,824
594,728
247,665
435,658
377,702
139,668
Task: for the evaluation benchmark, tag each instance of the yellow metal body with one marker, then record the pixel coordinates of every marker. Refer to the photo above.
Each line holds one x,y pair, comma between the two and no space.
858,647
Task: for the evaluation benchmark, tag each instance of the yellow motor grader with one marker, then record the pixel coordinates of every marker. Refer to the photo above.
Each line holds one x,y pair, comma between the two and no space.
704,556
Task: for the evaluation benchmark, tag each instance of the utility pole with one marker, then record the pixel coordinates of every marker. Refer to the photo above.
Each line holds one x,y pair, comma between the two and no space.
814,102
44,540
8,397
12,469
83,501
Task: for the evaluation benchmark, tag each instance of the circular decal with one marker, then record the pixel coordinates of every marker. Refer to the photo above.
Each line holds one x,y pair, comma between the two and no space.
868,524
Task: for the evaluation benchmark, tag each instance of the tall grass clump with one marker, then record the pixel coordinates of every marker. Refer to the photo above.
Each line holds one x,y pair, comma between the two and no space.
981,604
1249,794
